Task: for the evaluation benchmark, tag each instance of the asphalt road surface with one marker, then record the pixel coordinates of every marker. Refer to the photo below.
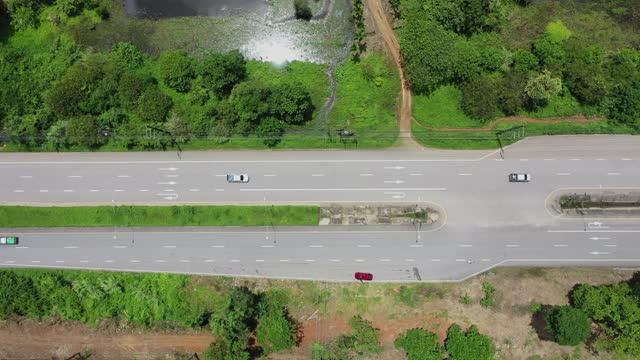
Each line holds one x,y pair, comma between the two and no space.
489,221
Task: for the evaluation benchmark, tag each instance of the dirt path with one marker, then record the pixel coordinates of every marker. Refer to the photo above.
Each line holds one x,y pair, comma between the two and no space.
31,340
376,10
578,119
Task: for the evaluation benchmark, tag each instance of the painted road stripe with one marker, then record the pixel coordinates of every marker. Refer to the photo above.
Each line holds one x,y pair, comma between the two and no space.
119,247
172,176
217,246
209,260
317,175
135,261
219,189
70,247
610,245
409,260
74,177
485,260
626,159
94,190
524,159
435,260
359,260
84,261
9,262
284,260
512,245
235,260
465,245
169,246
600,159
415,174
613,174
563,174
59,261
158,261
26,176
194,190
385,260
184,260
460,260
548,159
316,246
118,190
560,245
68,191
44,191
36,261
364,246
575,159
267,246
366,174
350,189
22,247
335,260
416,245
109,261
309,260
18,191
269,175
464,174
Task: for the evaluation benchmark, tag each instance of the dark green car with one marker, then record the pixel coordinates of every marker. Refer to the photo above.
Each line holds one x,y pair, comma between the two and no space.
9,240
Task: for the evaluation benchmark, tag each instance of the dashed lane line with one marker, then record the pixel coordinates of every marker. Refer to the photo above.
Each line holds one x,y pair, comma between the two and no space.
560,245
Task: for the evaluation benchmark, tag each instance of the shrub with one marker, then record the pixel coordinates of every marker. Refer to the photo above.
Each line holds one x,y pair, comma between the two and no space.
480,98
176,70
469,345
291,103
465,299
84,131
624,104
128,55
488,289
524,61
407,296
541,87
511,93
536,308
568,325
302,9
419,344
153,105
365,339
275,332
221,72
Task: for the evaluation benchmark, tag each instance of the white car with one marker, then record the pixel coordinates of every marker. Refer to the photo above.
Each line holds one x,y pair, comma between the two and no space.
519,177
238,178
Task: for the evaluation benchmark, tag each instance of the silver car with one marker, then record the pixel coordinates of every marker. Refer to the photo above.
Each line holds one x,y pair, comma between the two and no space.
238,178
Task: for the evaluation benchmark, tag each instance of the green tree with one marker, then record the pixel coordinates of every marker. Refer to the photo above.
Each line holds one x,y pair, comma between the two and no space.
153,105
541,87
128,55
511,93
488,289
24,13
271,131
584,73
568,325
557,32
480,98
469,345
83,130
524,61
249,100
57,135
221,72
419,344
130,87
70,7
217,350
624,104
291,103
233,321
176,70
551,54
275,332
365,337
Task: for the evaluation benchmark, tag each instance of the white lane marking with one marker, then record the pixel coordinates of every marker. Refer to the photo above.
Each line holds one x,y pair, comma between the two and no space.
167,194
168,190
217,246
598,238
144,190
167,183
524,159
119,247
366,174
235,260
415,174
416,245
36,261
158,261
498,159
169,246
22,247
26,176
219,189
575,159
359,260
460,260
194,190
84,261
184,260
409,260
309,260
464,174
563,174
70,247
317,175
267,246
548,159
435,260
109,261
385,260
9,262
74,177
168,169
59,261
394,181
512,245
284,260
465,245
364,246
68,191
560,245
350,189
485,260
44,191
594,231
135,261
598,253
316,246
221,175
626,159
94,190
269,175
600,159
118,190
18,191
123,176
172,176
335,260
259,260
209,260
394,167
613,174
610,245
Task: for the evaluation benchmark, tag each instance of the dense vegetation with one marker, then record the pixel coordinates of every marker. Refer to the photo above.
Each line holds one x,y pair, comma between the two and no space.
153,300
420,344
26,216
518,57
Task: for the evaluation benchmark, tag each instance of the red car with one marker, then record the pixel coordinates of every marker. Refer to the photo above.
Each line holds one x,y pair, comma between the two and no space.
364,276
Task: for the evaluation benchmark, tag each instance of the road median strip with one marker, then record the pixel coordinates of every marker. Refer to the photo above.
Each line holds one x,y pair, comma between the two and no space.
187,215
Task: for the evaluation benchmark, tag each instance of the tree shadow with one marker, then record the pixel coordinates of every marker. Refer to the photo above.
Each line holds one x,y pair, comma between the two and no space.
538,323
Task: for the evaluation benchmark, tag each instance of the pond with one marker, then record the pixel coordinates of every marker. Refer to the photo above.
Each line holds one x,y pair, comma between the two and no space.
178,8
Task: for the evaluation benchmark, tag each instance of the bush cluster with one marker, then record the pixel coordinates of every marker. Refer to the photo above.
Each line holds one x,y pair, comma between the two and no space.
420,344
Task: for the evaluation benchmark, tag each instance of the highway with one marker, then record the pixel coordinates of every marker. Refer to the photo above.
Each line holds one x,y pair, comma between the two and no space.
488,221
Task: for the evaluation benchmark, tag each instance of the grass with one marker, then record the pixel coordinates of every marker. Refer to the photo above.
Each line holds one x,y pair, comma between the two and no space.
442,109
366,101
29,217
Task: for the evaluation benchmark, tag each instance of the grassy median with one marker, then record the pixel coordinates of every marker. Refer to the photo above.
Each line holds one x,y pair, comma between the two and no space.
85,216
